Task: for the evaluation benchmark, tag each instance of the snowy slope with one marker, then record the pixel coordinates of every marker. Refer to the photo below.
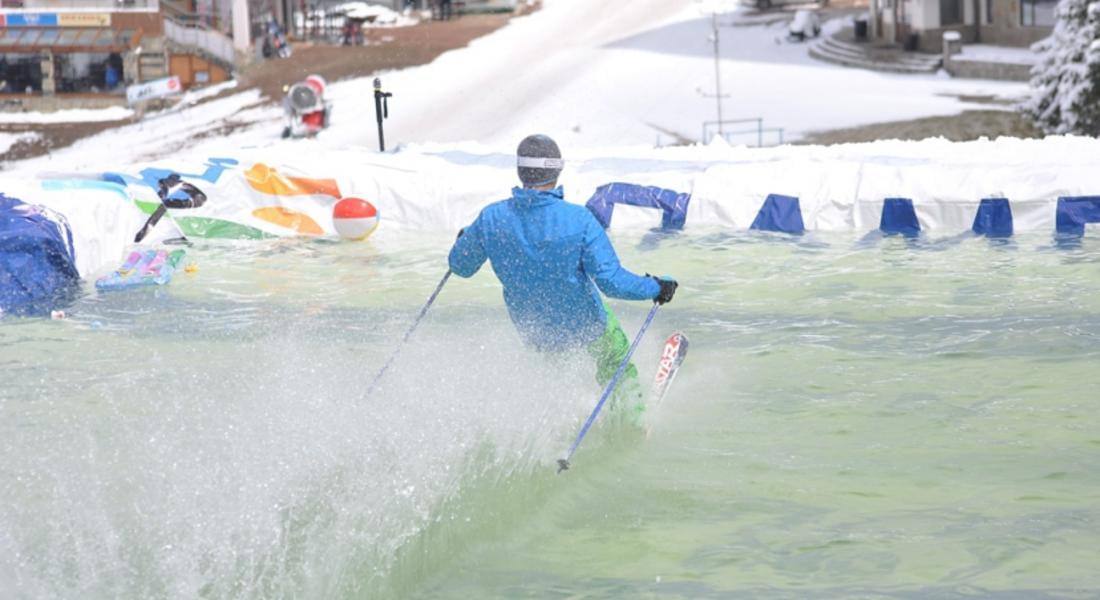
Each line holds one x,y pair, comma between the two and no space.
622,73
591,74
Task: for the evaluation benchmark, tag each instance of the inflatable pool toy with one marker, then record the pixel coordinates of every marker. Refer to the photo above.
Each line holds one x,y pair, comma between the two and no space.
354,218
145,267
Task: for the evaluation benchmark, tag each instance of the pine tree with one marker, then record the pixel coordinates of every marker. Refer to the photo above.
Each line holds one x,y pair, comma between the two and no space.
1065,96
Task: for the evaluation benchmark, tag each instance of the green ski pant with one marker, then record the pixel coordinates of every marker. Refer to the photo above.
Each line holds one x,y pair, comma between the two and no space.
609,350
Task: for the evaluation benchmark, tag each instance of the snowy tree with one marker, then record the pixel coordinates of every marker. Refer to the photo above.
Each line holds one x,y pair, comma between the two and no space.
1065,82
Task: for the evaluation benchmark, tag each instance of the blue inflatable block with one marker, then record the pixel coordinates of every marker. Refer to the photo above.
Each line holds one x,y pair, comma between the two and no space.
1074,212
898,216
673,205
994,218
37,259
779,213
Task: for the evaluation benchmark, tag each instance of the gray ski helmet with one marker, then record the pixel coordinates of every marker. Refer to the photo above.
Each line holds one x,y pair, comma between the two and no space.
538,160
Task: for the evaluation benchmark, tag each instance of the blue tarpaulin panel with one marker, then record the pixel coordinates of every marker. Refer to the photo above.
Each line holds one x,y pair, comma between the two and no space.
673,205
37,259
1074,212
994,218
779,213
898,216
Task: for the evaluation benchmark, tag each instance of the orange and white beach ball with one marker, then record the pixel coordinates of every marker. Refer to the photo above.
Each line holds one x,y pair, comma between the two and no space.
354,218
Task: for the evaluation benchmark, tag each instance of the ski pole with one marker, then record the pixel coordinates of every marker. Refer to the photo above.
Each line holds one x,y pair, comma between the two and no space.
563,463
409,333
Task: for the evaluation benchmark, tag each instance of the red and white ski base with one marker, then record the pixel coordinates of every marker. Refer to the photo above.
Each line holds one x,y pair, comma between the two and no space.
672,356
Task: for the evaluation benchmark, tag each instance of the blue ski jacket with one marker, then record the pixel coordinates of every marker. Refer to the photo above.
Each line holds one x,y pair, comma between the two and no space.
547,253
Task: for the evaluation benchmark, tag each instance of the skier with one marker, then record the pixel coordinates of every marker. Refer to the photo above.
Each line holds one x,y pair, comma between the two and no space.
547,253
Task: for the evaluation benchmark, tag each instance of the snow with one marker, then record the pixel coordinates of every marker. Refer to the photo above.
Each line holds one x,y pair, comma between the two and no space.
378,15
374,15
73,115
629,72
997,54
7,140
609,81
193,129
635,73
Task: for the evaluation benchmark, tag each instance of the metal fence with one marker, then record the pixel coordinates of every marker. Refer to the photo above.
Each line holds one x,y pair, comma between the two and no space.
756,134
216,43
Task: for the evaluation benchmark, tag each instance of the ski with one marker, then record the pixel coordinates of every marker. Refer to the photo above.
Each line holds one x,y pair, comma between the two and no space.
672,356
676,347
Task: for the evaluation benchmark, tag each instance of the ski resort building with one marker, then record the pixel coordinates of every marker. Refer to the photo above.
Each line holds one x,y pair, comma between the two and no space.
920,24
83,53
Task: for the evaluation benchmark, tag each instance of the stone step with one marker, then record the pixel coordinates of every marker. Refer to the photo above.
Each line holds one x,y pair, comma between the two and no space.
919,61
825,53
840,49
851,55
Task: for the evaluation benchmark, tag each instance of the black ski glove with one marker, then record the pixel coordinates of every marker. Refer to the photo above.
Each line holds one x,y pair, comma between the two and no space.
668,289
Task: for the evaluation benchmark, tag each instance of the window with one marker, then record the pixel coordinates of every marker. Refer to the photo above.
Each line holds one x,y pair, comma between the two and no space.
86,37
87,72
950,12
48,36
1037,13
989,12
8,36
68,38
20,73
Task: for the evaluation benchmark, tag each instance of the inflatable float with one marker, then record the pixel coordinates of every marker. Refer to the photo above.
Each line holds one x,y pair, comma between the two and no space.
142,268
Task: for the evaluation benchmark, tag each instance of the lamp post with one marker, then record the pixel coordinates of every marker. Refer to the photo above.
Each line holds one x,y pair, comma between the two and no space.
717,70
715,8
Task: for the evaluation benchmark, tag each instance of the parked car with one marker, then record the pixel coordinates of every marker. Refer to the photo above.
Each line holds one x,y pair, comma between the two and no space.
804,24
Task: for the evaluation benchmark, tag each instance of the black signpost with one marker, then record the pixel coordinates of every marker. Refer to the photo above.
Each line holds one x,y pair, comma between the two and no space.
381,111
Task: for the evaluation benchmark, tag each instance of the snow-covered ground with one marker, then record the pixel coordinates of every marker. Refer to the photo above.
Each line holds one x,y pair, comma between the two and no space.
73,115
7,140
997,54
590,74
639,72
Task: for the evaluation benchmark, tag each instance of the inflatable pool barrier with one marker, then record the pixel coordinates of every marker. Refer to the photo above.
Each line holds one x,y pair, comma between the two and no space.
988,188
37,259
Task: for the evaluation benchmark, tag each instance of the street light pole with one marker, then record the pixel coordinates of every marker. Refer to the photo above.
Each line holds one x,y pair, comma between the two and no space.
717,73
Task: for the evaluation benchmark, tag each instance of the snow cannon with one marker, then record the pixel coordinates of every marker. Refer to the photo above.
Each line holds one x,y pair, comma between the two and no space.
307,112
354,218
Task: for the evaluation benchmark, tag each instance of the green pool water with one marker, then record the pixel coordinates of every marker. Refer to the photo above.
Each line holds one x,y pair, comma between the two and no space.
894,419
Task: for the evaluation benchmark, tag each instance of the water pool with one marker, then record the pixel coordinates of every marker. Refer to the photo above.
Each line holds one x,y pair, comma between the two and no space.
896,419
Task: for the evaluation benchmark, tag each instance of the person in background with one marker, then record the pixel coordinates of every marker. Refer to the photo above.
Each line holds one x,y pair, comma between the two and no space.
445,10
553,259
110,77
